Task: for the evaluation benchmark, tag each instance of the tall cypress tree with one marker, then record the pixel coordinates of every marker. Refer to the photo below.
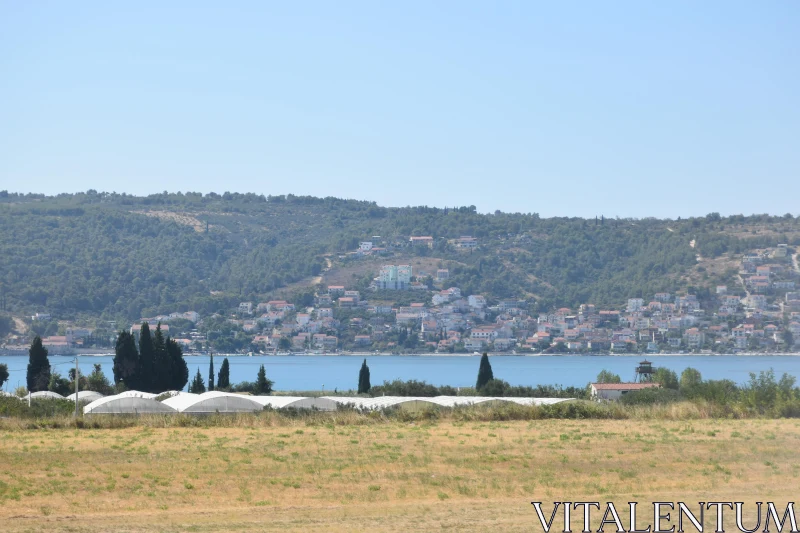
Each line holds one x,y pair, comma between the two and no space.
211,373
162,369
179,370
224,376
363,378
263,385
147,360
197,386
38,376
485,373
126,361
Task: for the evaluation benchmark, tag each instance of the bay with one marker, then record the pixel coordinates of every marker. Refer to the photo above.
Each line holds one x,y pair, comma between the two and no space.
315,372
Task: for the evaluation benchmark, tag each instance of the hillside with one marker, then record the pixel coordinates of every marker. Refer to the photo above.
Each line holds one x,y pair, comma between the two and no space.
120,257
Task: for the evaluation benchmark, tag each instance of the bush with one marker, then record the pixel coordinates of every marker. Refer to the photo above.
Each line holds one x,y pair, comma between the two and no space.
650,396
411,387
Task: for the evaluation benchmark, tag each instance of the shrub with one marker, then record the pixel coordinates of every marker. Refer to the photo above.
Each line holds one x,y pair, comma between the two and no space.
650,396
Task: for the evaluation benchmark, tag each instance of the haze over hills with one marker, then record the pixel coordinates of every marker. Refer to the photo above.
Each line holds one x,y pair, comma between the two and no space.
122,257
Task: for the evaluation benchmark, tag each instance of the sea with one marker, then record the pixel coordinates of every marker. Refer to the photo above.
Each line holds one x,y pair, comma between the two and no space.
340,372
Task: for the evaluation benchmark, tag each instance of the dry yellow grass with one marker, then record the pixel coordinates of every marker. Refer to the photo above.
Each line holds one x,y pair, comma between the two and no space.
457,476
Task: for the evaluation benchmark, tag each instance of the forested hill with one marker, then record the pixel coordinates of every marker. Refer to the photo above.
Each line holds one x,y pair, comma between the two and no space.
120,256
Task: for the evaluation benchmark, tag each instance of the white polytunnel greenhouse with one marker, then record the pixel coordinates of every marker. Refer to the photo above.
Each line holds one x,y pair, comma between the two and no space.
136,394
46,394
120,404
384,402
295,402
457,401
85,396
213,402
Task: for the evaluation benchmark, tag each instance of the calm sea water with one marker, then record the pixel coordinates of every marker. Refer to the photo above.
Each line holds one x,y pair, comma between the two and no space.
311,372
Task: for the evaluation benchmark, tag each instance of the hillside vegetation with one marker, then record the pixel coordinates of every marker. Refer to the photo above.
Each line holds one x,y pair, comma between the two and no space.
118,256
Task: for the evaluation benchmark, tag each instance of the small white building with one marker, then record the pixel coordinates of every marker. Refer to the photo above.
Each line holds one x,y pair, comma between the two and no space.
615,391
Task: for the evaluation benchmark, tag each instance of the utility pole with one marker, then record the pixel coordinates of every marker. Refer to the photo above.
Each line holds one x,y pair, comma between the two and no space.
77,386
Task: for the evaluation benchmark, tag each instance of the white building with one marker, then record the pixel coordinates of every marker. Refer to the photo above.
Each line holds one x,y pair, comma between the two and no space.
365,246
635,305
615,391
394,278
476,301
246,307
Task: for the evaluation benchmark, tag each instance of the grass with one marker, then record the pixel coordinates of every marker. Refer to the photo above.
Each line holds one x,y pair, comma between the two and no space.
352,472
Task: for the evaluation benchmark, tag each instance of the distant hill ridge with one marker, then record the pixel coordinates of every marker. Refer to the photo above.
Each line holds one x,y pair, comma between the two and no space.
121,256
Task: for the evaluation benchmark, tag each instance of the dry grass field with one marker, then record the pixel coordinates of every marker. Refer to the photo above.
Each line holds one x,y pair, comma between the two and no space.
387,476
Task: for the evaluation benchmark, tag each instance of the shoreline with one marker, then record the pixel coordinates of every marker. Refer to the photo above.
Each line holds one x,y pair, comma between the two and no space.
106,353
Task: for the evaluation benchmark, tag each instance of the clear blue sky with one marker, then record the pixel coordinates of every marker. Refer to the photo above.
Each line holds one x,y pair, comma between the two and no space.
671,108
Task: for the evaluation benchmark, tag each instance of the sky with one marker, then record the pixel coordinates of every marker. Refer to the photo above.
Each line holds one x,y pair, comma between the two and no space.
624,108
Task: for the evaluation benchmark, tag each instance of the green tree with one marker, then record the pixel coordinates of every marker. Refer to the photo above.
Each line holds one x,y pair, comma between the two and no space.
485,373
147,361
363,378
284,344
224,376
3,374
197,386
179,370
98,382
690,379
665,377
495,387
211,373
606,376
126,361
263,385
162,374
38,375
59,385
81,378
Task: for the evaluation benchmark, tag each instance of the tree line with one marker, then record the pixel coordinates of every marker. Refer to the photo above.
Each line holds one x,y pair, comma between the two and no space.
156,366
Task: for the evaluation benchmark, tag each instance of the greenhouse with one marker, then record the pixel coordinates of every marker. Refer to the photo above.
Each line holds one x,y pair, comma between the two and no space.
120,404
213,402
458,401
46,394
411,403
85,396
137,394
295,402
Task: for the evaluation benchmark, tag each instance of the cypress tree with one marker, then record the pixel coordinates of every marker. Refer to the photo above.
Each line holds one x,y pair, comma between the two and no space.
485,373
224,376
263,385
38,376
179,370
147,360
3,374
197,386
126,361
211,373
363,378
162,369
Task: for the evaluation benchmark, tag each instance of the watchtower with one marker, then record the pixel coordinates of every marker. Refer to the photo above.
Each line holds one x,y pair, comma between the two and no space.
644,372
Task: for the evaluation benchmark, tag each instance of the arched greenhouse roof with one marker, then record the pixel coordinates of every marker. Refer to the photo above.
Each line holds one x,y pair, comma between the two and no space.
46,394
295,402
213,402
85,395
120,404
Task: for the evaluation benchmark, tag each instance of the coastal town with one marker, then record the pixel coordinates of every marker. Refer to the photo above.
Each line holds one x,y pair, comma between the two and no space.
428,315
